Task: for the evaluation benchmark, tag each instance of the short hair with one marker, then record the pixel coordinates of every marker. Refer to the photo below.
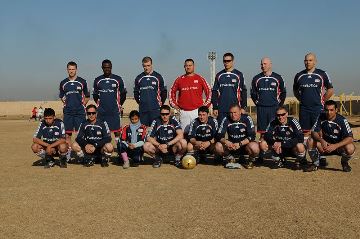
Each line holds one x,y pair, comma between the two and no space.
71,63
189,59
203,109
229,54
331,102
165,107
146,59
91,106
49,112
235,106
106,61
282,108
134,113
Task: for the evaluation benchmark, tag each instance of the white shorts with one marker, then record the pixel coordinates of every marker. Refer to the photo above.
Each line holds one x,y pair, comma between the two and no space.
186,117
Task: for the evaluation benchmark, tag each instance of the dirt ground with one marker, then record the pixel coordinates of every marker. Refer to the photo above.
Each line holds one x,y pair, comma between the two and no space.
206,202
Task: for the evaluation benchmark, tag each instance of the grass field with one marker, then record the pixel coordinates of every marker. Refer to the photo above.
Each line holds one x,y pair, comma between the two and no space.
206,202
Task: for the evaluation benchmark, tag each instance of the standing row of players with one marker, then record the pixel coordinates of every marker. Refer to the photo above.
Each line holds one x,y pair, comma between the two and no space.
311,86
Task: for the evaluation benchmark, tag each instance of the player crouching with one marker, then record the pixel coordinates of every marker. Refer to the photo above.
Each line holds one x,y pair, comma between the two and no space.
94,138
285,137
331,135
49,140
202,134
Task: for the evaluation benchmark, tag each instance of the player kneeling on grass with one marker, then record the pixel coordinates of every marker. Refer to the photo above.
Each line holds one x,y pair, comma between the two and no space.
93,139
330,135
49,140
241,138
132,141
166,137
202,134
285,137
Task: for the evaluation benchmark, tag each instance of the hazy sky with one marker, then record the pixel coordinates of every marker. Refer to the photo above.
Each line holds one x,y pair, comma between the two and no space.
38,38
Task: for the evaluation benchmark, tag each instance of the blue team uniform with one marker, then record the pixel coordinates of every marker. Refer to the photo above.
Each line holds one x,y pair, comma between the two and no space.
97,134
164,133
109,94
150,93
203,131
333,131
289,134
73,92
310,88
229,88
267,93
50,133
237,130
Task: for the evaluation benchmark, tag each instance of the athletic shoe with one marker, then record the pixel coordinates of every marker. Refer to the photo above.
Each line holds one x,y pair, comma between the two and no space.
311,168
249,165
49,164
177,163
104,162
157,162
297,165
126,164
89,161
346,167
63,162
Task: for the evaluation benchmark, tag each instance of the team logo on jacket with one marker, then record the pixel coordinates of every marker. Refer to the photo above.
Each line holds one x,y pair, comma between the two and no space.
208,131
79,88
140,130
273,84
98,132
317,80
169,131
233,80
72,83
196,81
153,82
309,76
336,131
107,81
242,130
56,133
113,85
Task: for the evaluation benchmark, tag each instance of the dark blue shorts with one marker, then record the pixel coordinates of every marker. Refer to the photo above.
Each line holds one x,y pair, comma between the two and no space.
72,122
147,117
113,121
308,117
265,114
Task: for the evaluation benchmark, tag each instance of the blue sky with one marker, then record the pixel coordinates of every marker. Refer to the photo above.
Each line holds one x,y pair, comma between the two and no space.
38,38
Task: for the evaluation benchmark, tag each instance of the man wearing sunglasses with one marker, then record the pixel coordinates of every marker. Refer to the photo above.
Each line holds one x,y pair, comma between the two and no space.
109,93
284,137
331,135
202,134
240,139
229,88
49,140
93,139
166,137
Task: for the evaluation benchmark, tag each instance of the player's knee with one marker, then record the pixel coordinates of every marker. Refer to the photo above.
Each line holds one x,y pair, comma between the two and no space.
108,148
350,149
219,148
76,147
63,148
35,148
300,148
263,145
254,148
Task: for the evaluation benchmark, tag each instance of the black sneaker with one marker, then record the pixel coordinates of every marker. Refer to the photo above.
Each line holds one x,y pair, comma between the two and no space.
157,162
346,167
297,165
311,168
89,162
63,162
104,162
249,165
48,162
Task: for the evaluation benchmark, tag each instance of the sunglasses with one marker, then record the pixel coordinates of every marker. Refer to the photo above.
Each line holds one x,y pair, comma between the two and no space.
163,114
283,114
91,113
226,61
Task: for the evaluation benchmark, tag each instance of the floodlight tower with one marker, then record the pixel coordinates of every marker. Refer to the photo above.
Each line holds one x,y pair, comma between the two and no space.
212,57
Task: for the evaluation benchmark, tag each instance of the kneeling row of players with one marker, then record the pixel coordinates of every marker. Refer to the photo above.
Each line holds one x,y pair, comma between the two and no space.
233,137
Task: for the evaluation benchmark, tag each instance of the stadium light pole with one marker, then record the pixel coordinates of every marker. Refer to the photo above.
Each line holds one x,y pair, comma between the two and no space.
212,57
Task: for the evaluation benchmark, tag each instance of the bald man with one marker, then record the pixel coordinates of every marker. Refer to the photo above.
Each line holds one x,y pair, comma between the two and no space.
268,93
312,87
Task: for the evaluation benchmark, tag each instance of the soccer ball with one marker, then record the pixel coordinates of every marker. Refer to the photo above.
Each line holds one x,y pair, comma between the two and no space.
188,162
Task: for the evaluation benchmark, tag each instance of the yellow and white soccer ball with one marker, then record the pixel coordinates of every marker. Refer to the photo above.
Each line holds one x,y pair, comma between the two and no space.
188,162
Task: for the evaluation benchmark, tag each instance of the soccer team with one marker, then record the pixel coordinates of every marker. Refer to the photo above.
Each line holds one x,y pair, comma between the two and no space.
228,134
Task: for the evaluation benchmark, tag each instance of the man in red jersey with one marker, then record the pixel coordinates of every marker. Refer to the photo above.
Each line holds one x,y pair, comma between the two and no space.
186,94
